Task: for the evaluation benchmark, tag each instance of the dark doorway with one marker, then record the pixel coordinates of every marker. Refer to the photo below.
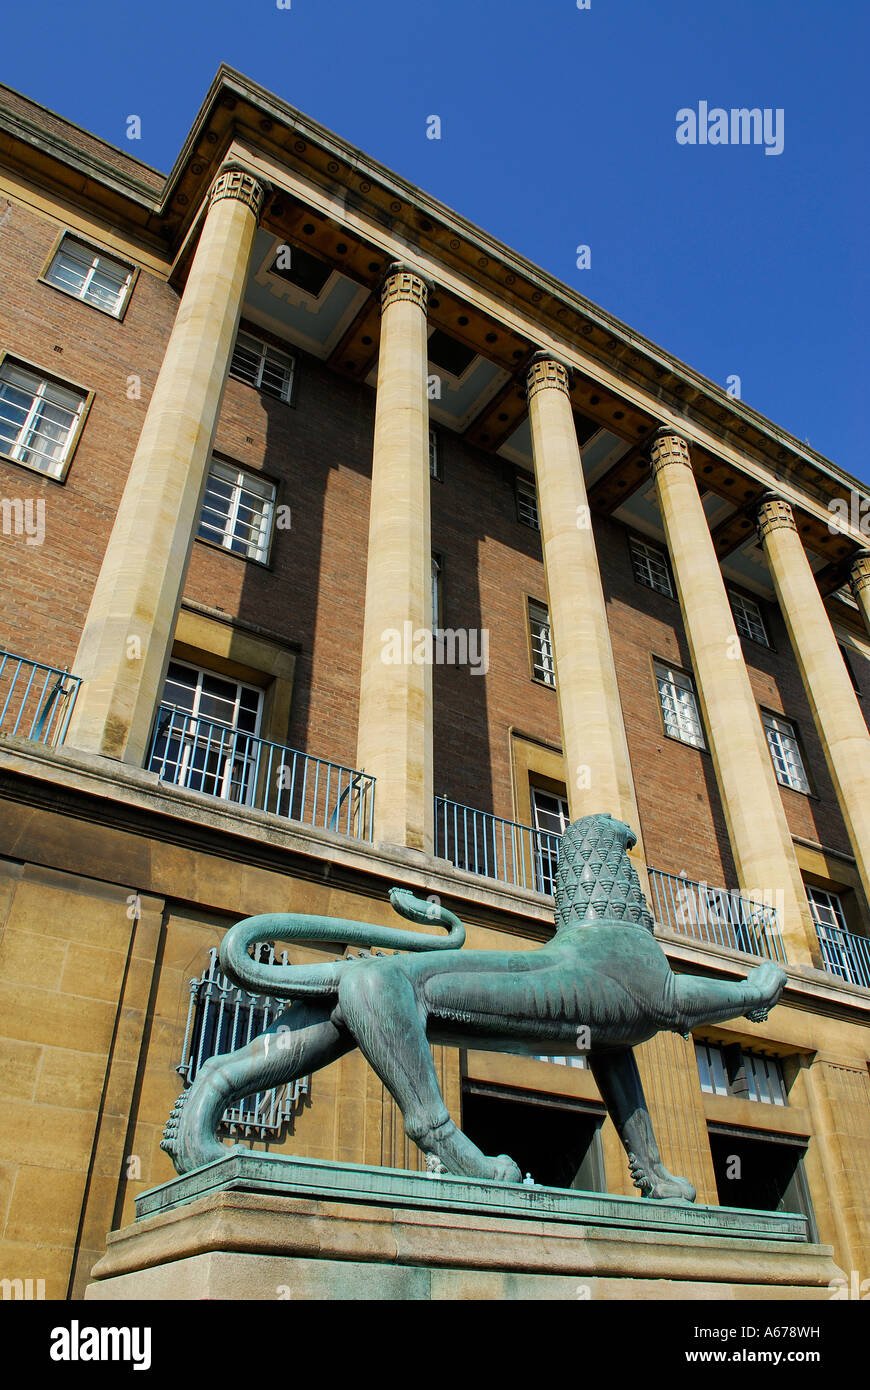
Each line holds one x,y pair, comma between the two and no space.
760,1172
555,1140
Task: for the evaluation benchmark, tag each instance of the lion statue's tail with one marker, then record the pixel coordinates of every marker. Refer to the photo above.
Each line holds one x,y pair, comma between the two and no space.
305,981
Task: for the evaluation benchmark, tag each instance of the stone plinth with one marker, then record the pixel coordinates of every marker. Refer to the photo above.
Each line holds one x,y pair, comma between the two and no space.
254,1226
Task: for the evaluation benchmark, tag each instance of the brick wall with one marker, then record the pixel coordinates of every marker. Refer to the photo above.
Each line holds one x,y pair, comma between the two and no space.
47,587
318,451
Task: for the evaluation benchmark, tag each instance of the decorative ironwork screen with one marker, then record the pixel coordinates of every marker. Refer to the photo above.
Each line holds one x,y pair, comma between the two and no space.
222,1017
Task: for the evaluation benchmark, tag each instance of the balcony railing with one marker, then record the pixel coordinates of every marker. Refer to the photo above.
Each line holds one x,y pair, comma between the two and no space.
528,858
845,954
36,701
502,849
235,766
715,915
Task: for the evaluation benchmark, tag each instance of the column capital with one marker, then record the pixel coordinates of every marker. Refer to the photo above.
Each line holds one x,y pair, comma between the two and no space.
668,446
859,572
404,282
774,514
546,370
235,181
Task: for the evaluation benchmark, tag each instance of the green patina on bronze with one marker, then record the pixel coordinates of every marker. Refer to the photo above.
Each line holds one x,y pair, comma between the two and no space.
600,987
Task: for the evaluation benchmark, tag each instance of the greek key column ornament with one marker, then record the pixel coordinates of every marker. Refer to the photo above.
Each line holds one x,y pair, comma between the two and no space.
546,371
668,446
859,573
235,181
774,514
404,282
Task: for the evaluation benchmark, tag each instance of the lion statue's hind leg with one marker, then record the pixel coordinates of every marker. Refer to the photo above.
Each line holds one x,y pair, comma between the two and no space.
301,1040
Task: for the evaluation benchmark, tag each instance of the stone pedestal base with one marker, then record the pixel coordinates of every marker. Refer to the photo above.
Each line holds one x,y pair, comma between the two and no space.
257,1227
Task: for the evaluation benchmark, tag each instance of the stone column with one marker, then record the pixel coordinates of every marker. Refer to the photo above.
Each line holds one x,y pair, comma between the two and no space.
597,766
837,714
859,582
395,711
125,645
760,840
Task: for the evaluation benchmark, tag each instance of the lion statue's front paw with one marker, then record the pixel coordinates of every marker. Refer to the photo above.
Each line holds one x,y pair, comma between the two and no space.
505,1170
658,1184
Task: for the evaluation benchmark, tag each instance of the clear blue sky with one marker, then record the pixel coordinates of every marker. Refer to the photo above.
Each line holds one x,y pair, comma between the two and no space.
559,129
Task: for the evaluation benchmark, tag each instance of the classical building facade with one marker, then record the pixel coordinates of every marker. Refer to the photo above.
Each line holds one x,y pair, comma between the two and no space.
344,548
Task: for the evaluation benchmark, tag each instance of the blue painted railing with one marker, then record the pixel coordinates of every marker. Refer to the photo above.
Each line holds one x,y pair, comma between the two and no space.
519,854
36,700
497,848
715,916
234,766
845,954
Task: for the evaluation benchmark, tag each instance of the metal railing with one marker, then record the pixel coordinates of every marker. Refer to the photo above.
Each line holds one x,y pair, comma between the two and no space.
222,1017
716,915
36,700
528,858
502,849
231,765
845,954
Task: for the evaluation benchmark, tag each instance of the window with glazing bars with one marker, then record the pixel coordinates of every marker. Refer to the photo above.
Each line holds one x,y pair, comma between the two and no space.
527,503
90,275
679,706
38,418
839,949
206,740
542,644
785,752
549,816
434,457
262,366
237,511
747,618
437,567
730,1071
651,567
221,1017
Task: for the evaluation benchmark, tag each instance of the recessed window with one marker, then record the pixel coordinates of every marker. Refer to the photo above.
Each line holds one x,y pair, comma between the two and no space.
435,457
260,365
449,354
527,503
729,1071
785,752
748,619
848,665
543,666
302,269
651,567
206,735
39,418
90,275
437,569
237,511
679,705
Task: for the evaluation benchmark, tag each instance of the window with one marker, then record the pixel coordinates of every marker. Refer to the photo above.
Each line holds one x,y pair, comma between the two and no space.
222,1017
206,737
435,458
237,511
262,366
651,567
527,503
550,817
543,666
848,665
39,418
679,707
437,570
728,1071
785,752
843,953
748,619
90,275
